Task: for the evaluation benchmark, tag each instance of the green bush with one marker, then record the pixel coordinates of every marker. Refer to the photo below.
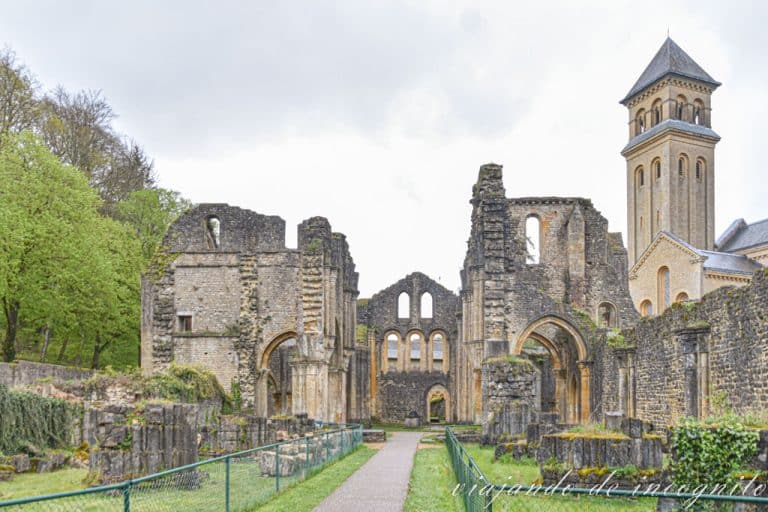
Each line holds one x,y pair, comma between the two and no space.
711,454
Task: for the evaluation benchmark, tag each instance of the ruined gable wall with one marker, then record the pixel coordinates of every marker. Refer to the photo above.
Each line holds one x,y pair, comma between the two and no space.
398,393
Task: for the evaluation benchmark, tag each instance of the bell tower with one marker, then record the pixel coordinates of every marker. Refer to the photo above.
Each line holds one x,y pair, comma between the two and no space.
671,152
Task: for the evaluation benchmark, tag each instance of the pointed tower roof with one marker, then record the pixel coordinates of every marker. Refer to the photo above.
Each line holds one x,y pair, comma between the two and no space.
669,60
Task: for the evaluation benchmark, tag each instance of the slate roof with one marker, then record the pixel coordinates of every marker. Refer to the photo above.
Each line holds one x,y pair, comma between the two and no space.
671,124
669,60
722,261
741,235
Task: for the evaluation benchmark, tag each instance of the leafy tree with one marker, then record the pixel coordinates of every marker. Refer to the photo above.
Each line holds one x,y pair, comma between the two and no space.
150,212
64,268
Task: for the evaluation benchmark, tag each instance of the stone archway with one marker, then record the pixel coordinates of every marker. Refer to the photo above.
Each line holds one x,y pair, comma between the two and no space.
274,387
572,381
438,401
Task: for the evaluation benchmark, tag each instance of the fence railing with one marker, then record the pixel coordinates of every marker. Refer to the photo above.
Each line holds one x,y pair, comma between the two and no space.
236,482
479,494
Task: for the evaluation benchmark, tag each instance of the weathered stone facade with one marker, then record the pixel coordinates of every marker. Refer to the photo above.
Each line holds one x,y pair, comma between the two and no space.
578,278
231,292
415,311
672,366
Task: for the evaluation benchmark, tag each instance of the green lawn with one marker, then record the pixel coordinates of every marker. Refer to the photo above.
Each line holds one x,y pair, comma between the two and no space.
34,484
432,482
306,495
199,491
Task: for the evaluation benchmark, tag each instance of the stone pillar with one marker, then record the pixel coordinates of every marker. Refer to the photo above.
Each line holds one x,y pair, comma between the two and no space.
261,392
310,389
585,407
560,393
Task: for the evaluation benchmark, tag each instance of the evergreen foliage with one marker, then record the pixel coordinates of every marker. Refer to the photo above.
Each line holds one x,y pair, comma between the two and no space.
32,419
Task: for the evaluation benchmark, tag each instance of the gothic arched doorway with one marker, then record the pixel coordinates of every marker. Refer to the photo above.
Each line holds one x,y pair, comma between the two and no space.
565,356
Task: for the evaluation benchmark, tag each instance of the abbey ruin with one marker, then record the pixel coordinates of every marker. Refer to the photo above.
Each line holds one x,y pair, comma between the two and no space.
555,320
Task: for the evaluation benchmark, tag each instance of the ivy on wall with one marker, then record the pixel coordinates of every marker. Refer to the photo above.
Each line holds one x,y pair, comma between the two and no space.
712,454
31,419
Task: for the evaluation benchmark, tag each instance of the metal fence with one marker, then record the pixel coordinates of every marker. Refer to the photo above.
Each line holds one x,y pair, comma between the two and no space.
236,482
479,494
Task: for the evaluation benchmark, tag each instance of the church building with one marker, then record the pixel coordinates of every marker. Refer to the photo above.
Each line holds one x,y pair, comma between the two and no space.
673,253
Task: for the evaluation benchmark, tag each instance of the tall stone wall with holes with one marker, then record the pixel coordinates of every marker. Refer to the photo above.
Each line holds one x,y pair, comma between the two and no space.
694,358
504,295
226,291
511,395
400,389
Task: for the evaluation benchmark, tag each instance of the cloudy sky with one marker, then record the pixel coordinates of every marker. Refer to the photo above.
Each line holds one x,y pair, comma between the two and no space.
378,115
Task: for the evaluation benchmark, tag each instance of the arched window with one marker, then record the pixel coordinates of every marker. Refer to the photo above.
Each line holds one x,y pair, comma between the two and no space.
646,308
213,232
392,351
640,175
663,289
682,166
680,107
640,122
698,111
404,306
657,168
426,305
415,346
700,168
437,352
656,109
606,315
532,240
681,297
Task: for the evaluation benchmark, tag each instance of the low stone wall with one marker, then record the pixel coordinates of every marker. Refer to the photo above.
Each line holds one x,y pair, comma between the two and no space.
28,373
510,395
228,434
597,450
126,444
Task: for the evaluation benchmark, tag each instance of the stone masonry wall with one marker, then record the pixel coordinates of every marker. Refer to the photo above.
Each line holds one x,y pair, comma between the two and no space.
511,396
694,352
28,373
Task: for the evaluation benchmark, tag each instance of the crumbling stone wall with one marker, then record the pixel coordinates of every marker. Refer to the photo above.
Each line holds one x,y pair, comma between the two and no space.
28,373
396,393
671,366
246,293
506,297
511,396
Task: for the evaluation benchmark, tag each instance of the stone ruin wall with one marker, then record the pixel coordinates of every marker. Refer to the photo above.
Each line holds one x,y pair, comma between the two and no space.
399,393
581,266
249,293
673,365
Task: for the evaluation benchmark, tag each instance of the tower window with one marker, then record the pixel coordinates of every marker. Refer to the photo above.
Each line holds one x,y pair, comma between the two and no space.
682,166
656,109
640,177
640,122
699,169
657,167
680,107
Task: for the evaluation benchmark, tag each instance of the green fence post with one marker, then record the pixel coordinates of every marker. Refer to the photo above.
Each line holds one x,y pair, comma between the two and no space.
277,467
327,447
226,484
127,498
306,462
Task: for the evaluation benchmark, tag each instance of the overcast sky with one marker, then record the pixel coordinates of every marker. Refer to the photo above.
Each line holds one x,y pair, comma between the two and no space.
378,115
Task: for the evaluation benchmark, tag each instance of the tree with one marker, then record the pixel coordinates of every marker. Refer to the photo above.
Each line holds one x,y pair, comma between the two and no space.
18,95
63,266
78,129
150,212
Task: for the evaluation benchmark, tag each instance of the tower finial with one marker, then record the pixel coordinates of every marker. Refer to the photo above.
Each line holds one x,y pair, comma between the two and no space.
667,31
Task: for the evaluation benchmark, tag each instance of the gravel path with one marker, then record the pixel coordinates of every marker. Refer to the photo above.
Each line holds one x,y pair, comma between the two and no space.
382,483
